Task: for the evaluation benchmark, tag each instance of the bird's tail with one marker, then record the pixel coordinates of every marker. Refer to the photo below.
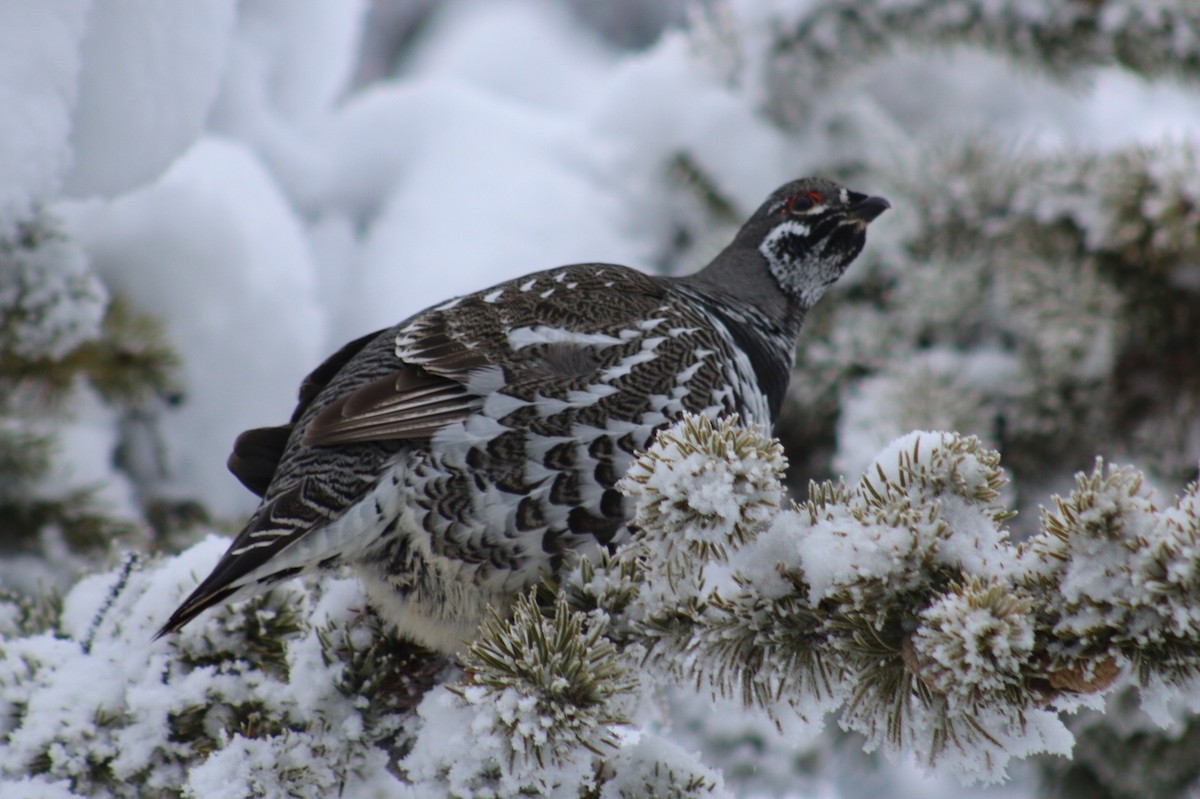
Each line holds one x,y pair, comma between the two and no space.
203,598
281,541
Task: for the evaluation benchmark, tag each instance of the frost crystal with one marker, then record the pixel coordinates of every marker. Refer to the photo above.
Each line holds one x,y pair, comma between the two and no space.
703,488
973,643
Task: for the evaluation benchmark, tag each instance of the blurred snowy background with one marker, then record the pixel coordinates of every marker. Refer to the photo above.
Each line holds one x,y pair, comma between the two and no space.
271,178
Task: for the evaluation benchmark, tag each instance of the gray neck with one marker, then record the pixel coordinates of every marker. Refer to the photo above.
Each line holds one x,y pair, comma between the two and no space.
764,322
740,276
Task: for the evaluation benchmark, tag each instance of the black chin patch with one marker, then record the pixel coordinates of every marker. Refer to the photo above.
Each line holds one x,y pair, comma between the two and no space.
846,242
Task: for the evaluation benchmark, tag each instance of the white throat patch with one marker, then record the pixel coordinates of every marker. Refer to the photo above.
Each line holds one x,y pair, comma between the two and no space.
800,267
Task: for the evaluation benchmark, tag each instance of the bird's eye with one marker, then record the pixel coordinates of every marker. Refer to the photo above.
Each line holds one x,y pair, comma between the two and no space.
815,196
799,203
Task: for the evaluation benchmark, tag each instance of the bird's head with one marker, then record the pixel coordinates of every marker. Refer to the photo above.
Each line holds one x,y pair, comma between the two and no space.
809,231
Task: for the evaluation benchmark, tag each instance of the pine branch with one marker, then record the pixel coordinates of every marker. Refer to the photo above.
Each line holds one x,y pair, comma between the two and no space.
1137,210
901,600
59,331
570,672
1083,267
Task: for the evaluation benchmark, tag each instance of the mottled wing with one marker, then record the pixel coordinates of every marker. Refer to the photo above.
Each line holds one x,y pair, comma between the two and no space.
429,389
536,339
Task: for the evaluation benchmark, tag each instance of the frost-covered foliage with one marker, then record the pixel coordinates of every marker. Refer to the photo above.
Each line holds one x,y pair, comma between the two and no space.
259,701
815,42
63,343
50,301
540,708
715,484
902,602
898,603
303,693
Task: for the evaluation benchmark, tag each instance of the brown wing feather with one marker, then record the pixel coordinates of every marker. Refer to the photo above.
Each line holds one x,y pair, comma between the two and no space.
427,391
411,403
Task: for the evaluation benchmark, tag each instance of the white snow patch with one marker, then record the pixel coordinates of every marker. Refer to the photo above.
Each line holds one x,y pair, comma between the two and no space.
148,77
530,51
214,249
39,65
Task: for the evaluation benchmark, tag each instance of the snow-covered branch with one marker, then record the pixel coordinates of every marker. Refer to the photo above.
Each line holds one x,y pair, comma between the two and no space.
215,167
814,46
901,601
898,602
1135,209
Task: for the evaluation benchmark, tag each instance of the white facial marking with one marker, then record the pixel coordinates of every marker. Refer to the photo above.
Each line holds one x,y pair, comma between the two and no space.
788,228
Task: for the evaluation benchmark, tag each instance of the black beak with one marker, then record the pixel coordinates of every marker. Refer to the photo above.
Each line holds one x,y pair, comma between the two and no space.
866,210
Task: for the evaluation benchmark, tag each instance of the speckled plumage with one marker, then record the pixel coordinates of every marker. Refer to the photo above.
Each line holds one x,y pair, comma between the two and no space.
454,457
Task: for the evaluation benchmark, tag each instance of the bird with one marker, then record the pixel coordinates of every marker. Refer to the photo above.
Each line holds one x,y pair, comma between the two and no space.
454,459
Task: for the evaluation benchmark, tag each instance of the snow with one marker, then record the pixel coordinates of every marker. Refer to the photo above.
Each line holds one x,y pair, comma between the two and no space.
50,300
939,389
938,473
102,691
765,760
216,248
38,788
292,58
643,754
39,65
520,198
90,431
976,641
464,751
645,124
149,74
556,66
254,767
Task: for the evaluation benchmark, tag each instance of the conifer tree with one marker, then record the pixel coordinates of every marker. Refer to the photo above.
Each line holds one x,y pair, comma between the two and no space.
62,335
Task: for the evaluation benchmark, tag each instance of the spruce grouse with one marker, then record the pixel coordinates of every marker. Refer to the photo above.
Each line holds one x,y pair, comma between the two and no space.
450,459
